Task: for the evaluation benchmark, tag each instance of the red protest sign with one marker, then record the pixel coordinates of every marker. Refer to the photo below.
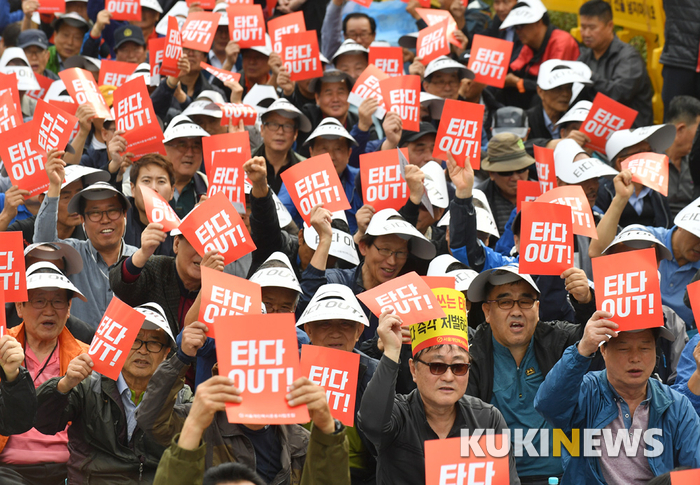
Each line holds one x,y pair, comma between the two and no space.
460,132
446,464
409,296
53,127
158,210
649,169
237,144
115,73
301,56
24,160
435,282
528,191
235,112
9,117
135,115
156,51
383,187
432,42
315,181
226,175
546,239
489,60
574,197
173,49
215,224
259,352
433,16
388,59
246,25
81,86
8,84
145,139
52,6
220,74
226,295
242,2
114,338
367,86
546,174
605,117
124,9
12,271
627,285
205,4
292,23
402,95
694,297
199,30
336,371
685,477
44,83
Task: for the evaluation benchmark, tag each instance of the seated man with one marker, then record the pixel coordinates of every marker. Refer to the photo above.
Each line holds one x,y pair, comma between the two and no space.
443,76
111,448
398,425
129,43
684,114
49,348
351,58
622,400
36,48
69,30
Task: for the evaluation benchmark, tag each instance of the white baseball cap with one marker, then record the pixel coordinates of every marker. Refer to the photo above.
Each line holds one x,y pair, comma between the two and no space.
220,8
436,184
463,277
484,221
333,302
179,11
577,112
660,137
155,318
182,126
554,73
639,237
689,218
331,129
203,107
88,175
57,250
143,70
576,172
260,96
342,245
444,63
266,49
276,272
497,276
525,12
153,5
96,191
349,46
389,221
46,275
288,110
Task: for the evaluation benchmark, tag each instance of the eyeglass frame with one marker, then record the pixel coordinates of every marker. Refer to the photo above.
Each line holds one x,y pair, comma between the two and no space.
434,366
162,345
87,215
513,302
46,302
399,255
285,127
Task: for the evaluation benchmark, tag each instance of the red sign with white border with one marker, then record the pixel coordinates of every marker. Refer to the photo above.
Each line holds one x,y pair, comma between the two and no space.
650,170
546,239
460,132
13,273
605,117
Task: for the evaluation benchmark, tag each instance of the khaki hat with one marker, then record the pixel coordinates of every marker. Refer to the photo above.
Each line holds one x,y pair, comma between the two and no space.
506,153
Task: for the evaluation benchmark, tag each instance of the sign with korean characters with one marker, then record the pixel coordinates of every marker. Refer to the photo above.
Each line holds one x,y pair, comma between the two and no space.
451,329
172,51
574,197
24,160
489,60
260,354
627,285
432,42
246,25
650,170
460,132
546,239
388,59
367,86
115,73
124,9
199,30
605,117
13,273
9,118
383,187
227,176
528,191
402,96
135,115
301,56
81,86
158,210
220,74
447,464
292,23
546,174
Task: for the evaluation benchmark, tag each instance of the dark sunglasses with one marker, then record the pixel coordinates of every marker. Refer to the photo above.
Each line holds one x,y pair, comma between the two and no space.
439,368
508,174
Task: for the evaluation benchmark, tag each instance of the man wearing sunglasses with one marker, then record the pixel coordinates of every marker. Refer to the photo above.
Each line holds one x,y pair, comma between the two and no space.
106,443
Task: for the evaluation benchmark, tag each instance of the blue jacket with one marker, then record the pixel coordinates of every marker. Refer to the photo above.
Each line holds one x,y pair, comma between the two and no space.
685,368
571,397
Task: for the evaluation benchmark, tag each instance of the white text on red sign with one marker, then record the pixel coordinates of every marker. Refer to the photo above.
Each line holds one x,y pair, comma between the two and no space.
198,31
298,58
403,103
30,160
225,302
403,300
131,113
218,231
259,353
385,183
461,137
604,124
547,233
108,331
315,189
8,273
432,42
334,381
643,167
624,284
467,473
246,28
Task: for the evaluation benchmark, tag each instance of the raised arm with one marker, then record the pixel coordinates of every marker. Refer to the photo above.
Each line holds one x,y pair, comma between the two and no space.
607,227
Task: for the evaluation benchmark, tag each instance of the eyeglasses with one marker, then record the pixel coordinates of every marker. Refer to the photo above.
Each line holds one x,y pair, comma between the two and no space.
272,126
151,345
358,35
184,147
387,253
445,82
40,304
439,368
112,215
509,174
507,303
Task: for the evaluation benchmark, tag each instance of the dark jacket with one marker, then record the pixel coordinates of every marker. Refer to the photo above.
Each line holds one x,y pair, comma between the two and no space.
17,403
539,134
134,229
397,426
621,74
655,213
682,32
95,158
27,228
274,180
494,30
166,106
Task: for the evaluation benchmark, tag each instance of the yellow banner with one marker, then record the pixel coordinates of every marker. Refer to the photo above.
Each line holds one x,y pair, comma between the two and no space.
450,330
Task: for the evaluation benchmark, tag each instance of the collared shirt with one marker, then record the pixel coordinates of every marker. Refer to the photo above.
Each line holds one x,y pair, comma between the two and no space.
680,186
550,126
637,201
129,406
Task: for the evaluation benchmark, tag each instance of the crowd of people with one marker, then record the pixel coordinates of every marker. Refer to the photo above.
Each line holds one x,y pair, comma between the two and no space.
541,355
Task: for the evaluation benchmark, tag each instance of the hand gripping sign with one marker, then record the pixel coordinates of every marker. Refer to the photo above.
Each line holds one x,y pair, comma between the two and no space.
627,285
115,73
336,371
199,30
226,175
135,115
81,86
24,160
388,59
446,463
544,161
220,74
605,117
409,296
246,25
435,16
367,86
300,56
44,83
226,295
9,118
259,353
432,42
650,170
52,6
574,197
315,181
124,9
172,50
156,51
489,60
12,271
235,112
215,225
460,132
402,96
383,187
528,191
547,240
158,210
451,329
292,23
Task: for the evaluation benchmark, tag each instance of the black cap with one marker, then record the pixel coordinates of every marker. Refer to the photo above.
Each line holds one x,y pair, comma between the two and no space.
425,128
128,33
32,37
511,119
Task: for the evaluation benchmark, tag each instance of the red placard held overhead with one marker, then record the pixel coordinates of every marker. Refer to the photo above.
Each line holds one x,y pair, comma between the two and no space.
158,210
433,16
44,83
53,126
227,295
246,25
8,84
605,117
432,42
172,50
215,224
409,296
199,30
220,74
115,73
12,271
292,23
24,159
237,144
336,371
489,60
627,285
156,51
135,115
383,187
81,86
650,170
574,197
235,112
546,239
546,174
9,118
460,132
226,175
52,6
402,95
528,191
301,56
315,181
259,352
446,464
114,338
124,9
367,86
388,59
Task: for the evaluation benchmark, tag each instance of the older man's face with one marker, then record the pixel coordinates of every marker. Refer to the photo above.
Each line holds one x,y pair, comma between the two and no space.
149,350
44,324
630,359
512,327
442,390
